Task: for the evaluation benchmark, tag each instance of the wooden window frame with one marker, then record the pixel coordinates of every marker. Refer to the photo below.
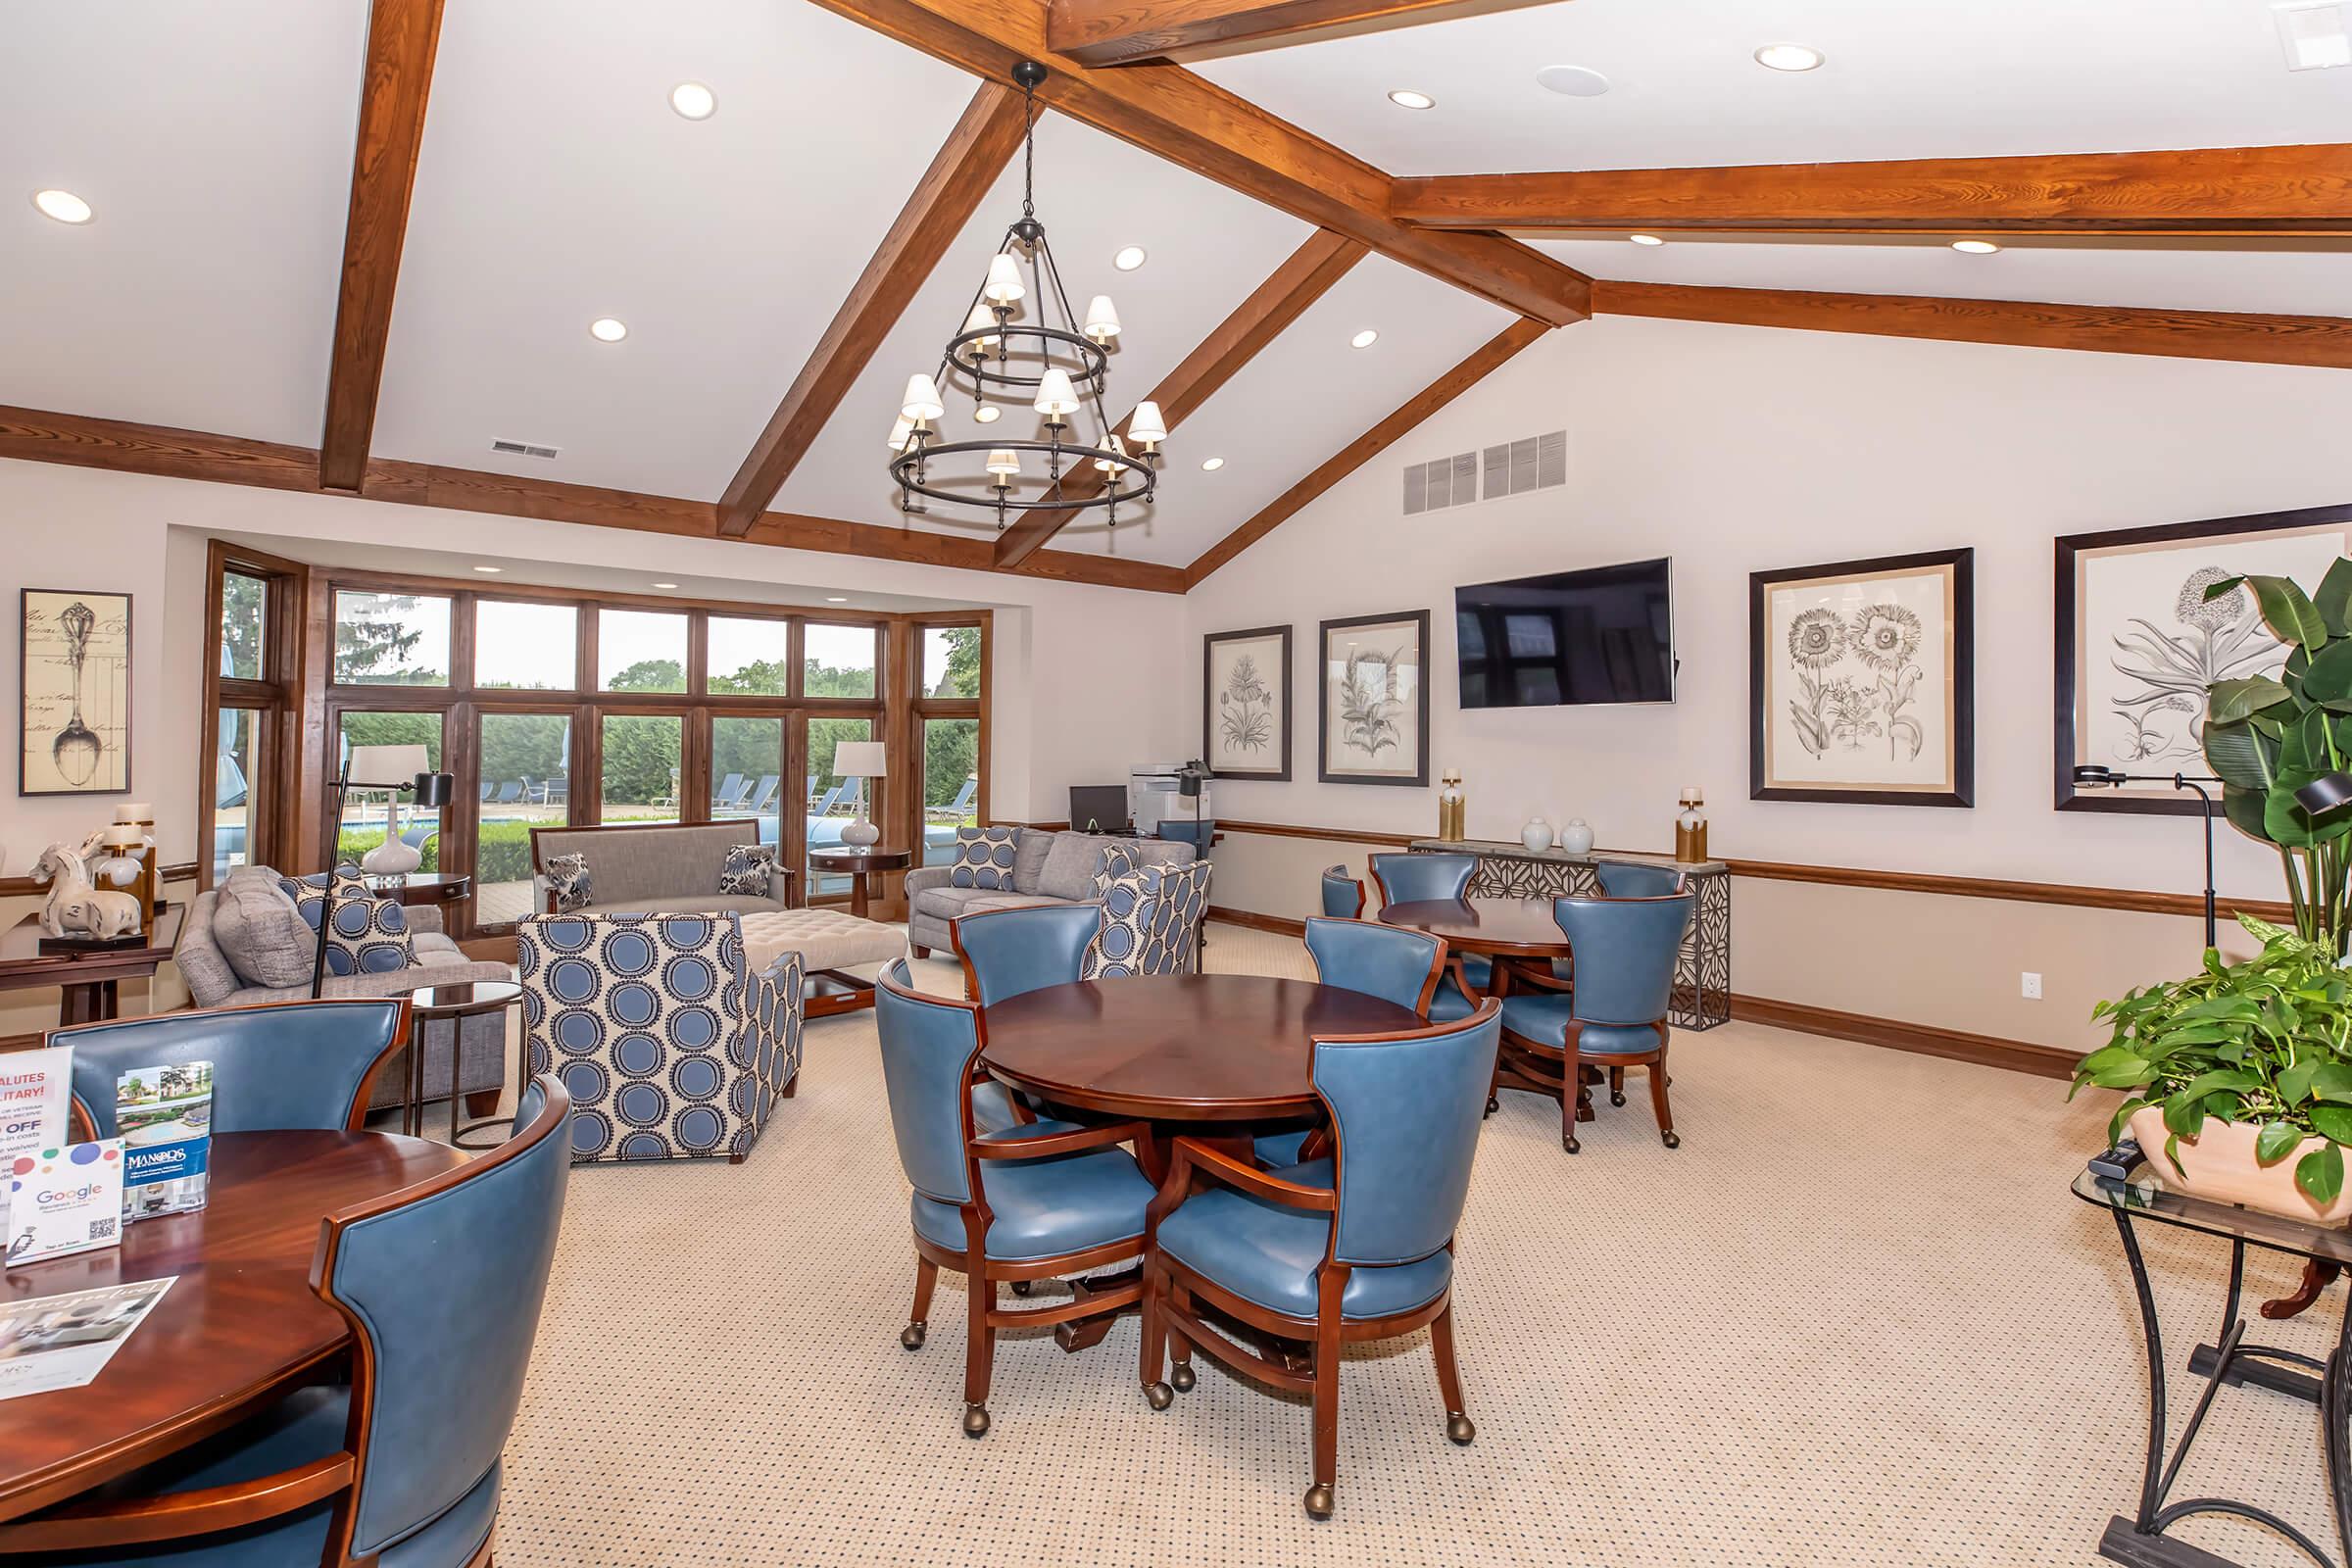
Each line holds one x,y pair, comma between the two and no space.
276,696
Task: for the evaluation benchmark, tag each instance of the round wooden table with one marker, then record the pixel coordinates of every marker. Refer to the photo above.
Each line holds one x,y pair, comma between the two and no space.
1512,928
859,866
1190,1048
240,1327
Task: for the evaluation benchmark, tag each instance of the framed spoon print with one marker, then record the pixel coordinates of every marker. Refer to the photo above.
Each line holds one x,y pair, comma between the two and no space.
73,713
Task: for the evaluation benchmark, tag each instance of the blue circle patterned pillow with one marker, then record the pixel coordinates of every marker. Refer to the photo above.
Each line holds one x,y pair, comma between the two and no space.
984,857
368,935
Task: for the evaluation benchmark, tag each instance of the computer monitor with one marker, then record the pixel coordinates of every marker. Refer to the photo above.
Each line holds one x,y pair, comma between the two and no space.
1099,807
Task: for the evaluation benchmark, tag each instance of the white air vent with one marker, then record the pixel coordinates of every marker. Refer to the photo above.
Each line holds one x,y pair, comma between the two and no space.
524,449
1539,462
2315,34
1448,482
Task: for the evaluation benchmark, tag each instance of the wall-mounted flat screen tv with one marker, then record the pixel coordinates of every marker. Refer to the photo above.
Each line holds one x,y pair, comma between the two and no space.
1601,635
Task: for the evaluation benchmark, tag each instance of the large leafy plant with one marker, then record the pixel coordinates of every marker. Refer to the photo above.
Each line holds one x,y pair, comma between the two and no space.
2267,1041
2267,736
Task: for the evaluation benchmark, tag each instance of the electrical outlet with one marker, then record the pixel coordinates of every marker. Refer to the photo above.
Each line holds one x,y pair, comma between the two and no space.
2029,985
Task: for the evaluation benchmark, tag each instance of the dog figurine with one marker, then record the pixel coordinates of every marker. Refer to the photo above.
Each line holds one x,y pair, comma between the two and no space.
76,905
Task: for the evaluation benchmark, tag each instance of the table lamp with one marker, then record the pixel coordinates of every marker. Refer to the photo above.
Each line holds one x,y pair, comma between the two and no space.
376,767
860,760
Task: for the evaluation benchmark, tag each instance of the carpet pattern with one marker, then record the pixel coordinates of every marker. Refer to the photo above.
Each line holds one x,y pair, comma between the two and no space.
1856,1318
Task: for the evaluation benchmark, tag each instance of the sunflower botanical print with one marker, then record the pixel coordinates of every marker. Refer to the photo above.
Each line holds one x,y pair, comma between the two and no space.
1886,637
2160,713
1841,708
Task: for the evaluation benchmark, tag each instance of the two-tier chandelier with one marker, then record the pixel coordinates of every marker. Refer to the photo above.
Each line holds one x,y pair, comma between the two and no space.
1061,370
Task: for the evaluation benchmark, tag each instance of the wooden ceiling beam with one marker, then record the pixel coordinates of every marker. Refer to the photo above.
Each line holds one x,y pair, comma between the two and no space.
402,35
38,436
2206,190
1170,112
1494,352
1118,33
975,153
1309,273
2315,340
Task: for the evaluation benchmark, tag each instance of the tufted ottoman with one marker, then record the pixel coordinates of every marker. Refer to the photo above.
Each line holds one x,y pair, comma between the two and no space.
829,943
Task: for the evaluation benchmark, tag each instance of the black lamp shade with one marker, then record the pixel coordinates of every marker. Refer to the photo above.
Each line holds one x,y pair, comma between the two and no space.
434,789
2329,793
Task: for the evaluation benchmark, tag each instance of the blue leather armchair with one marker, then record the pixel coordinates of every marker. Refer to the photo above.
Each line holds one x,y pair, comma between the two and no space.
1034,1201
1382,961
1412,878
1006,953
1358,1245
279,1065
1615,1016
1343,895
403,1461
1626,879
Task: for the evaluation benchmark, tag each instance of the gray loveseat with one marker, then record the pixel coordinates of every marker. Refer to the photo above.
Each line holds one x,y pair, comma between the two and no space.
481,1065
1048,868
655,868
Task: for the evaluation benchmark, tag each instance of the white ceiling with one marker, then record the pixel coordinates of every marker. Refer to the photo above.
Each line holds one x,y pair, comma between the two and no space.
213,143
1905,79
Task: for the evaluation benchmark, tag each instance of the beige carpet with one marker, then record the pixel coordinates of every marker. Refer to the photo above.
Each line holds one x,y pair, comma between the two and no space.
1855,1318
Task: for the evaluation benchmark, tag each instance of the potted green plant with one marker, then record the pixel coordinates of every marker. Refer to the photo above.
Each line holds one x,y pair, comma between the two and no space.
2238,1079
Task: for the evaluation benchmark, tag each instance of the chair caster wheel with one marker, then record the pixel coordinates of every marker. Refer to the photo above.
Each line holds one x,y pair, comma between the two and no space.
911,1337
1022,1287
1616,1099
1184,1378
1571,1145
1492,1104
1159,1395
1459,1428
1319,1501
1673,1139
975,1420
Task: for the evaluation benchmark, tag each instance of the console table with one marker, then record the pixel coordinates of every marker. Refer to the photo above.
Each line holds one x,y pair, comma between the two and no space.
1703,979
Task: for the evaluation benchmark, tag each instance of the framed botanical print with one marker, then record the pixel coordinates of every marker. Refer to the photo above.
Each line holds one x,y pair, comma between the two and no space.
1245,704
2139,642
1372,707
1862,681
73,700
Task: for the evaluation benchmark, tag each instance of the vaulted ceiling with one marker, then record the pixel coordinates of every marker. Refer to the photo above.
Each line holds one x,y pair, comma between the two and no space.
785,263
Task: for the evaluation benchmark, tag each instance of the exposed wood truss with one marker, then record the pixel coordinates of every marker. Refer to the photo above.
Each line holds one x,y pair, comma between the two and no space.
402,35
1169,111
1274,305
36,436
2318,340
1113,32
1427,401
974,154
2210,190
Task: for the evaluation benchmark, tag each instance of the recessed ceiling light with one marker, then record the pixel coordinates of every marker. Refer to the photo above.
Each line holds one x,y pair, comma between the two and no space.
605,329
1406,98
1974,247
1364,339
490,568
1130,258
1788,57
62,205
1574,82
692,101
1211,465
1646,239
665,585
987,414
837,599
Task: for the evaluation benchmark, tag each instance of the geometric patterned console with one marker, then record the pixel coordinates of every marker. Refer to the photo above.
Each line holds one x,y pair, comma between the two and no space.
1703,978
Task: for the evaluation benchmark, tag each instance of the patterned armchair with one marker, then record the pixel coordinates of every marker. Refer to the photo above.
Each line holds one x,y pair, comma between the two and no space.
670,1050
1151,922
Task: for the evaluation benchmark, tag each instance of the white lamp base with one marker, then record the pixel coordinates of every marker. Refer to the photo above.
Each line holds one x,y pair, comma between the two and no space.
860,834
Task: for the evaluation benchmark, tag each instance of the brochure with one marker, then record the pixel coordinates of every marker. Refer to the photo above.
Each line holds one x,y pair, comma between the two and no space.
165,1116
63,1201
63,1342
37,1093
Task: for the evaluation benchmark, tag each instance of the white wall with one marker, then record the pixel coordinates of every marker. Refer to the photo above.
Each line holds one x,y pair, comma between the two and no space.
1738,448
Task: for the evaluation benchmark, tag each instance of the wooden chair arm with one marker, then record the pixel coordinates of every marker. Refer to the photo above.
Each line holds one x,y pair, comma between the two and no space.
176,1515
995,1145
1241,1176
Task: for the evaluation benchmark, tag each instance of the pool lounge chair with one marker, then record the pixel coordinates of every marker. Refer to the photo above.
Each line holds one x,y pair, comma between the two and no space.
955,808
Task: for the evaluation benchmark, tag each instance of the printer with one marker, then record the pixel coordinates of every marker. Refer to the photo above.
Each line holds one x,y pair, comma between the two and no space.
1155,794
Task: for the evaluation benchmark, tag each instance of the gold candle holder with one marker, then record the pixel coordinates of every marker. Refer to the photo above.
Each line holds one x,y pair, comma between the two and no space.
1451,806
1690,827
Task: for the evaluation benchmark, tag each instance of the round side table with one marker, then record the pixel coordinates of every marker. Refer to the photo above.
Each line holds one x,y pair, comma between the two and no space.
452,1003
860,865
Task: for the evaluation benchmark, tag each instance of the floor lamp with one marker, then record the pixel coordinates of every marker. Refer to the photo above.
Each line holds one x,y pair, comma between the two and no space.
374,767
2092,775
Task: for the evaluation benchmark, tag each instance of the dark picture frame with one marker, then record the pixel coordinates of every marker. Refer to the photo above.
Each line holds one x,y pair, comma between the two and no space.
1216,706
101,604
2072,553
1418,620
1958,787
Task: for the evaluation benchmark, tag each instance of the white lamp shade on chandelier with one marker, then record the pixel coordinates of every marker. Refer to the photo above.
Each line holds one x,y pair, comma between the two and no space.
982,319
1004,285
1145,426
1055,396
922,400
1102,319
1114,444
1004,466
900,434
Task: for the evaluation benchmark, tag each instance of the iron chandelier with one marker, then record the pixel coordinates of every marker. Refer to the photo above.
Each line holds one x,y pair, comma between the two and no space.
1062,368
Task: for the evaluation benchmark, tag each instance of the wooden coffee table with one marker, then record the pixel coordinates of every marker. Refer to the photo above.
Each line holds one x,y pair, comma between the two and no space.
88,978
860,865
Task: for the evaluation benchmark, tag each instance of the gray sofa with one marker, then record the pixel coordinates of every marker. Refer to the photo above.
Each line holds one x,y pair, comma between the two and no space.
1048,868
655,868
481,1044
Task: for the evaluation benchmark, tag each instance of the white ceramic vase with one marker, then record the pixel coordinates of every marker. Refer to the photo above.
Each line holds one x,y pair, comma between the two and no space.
860,834
1537,835
392,858
1577,837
